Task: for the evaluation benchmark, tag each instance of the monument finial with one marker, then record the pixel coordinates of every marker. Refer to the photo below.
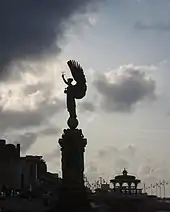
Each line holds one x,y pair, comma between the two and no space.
125,172
77,91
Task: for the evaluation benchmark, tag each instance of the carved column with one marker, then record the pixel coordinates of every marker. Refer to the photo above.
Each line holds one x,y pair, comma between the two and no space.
73,194
72,147
129,186
136,184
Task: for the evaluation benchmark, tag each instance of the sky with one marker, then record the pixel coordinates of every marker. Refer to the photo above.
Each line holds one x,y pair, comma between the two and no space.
124,49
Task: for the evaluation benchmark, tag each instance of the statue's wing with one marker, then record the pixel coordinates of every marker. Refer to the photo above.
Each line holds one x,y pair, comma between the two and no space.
77,72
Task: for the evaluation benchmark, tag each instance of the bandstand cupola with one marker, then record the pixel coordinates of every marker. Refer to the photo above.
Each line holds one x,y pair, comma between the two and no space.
126,183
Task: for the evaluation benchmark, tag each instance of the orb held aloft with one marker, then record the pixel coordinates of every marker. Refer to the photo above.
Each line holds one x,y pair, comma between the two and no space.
72,123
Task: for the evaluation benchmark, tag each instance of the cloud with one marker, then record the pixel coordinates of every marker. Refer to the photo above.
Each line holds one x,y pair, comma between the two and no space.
91,171
123,89
153,26
87,106
32,101
116,158
143,165
49,131
28,137
17,120
26,140
55,154
31,89
32,29
107,151
29,106
26,126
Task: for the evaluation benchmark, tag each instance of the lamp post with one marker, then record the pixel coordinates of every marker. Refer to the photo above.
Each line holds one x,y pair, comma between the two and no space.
160,189
156,187
151,189
144,188
160,184
164,183
101,181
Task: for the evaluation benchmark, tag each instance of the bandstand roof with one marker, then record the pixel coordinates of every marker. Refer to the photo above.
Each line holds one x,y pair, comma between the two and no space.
125,178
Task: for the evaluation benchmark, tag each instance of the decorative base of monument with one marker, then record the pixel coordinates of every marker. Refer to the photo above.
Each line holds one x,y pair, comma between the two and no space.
73,200
72,196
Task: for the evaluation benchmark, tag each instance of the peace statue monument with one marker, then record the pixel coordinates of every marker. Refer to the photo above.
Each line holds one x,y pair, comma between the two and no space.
73,194
77,91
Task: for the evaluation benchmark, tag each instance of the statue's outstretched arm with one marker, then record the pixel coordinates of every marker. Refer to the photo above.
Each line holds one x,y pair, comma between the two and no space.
64,79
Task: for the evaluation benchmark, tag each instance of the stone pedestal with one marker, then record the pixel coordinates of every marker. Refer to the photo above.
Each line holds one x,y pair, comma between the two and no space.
73,195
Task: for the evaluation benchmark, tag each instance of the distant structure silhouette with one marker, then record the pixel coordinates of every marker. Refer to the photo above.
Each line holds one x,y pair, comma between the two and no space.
77,91
126,183
125,196
18,172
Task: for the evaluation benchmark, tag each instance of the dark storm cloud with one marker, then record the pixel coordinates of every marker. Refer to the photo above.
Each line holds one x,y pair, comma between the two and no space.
27,139
32,28
154,26
16,120
128,88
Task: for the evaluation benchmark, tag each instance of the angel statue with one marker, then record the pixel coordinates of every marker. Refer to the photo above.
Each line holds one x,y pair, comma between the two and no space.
74,91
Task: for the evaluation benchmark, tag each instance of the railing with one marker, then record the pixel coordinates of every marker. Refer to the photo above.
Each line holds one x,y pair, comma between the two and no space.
127,190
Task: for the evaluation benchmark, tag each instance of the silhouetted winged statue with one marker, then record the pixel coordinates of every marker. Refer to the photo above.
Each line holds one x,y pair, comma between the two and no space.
77,91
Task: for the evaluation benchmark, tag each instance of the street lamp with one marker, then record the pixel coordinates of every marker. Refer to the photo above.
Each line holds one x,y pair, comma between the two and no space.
160,184
156,187
151,188
144,188
164,183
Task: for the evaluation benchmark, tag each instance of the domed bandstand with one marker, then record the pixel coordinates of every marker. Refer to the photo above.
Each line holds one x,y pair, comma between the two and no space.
126,184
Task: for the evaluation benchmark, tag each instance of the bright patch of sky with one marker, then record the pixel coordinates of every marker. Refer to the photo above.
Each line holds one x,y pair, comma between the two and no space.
120,36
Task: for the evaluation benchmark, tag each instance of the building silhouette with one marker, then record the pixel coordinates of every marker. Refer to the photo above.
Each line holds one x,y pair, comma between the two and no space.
20,173
29,176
